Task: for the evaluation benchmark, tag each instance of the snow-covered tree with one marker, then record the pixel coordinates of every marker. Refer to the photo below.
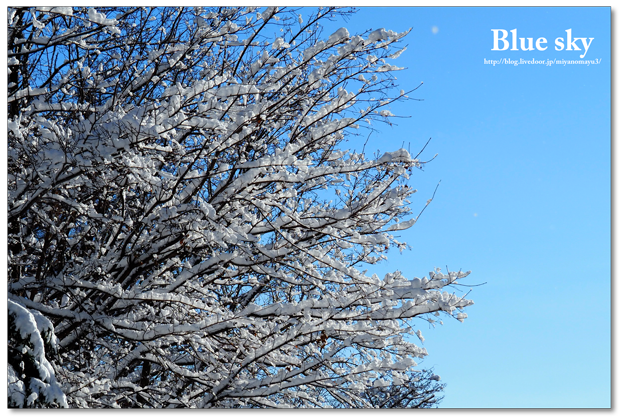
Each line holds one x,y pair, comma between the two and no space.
422,390
185,222
31,378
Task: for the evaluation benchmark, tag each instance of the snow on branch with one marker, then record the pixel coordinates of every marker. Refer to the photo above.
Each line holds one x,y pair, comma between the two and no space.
186,226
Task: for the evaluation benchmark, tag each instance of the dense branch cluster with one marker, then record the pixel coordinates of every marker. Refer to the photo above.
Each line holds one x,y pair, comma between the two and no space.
183,215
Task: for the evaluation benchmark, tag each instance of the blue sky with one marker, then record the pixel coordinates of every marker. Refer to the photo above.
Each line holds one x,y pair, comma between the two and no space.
524,201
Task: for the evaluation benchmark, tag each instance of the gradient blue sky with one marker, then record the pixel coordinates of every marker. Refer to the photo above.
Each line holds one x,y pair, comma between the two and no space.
524,201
